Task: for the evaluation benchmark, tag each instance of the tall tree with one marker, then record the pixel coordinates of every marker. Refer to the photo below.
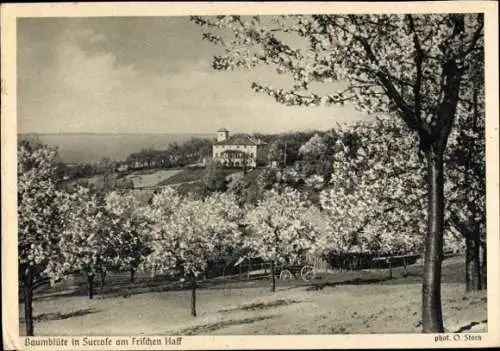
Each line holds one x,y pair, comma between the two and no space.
466,194
275,153
39,222
413,65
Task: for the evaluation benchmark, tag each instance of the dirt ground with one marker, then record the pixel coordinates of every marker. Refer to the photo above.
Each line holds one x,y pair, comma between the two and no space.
343,309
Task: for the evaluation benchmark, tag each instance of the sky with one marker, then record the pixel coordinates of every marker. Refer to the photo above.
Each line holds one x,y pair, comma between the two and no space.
144,75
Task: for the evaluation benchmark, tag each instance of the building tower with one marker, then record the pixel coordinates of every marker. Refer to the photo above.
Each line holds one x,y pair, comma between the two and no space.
222,134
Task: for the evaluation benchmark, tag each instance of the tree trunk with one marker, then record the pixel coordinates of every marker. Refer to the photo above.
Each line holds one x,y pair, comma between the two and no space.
132,275
273,276
103,278
390,268
90,279
432,316
472,263
484,275
28,303
193,295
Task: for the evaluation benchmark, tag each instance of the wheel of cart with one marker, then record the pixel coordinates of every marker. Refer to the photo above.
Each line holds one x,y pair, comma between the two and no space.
285,274
289,272
307,273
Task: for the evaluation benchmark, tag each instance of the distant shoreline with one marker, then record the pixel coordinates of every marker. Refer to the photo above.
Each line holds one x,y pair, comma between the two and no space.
93,147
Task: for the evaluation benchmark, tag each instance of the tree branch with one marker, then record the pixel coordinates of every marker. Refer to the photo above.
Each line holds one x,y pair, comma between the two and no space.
477,35
407,113
419,58
447,108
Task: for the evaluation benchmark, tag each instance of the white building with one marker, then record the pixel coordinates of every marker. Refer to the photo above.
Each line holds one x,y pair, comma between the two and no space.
238,150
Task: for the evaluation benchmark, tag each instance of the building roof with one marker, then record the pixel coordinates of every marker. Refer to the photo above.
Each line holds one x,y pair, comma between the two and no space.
223,130
240,140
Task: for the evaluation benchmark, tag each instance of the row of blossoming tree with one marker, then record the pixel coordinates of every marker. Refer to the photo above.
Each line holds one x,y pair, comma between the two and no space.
62,231
376,199
74,230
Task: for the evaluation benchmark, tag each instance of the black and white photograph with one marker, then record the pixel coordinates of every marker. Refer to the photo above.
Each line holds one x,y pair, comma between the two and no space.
298,172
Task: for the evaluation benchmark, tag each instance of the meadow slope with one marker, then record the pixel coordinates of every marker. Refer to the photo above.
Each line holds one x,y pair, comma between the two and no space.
346,307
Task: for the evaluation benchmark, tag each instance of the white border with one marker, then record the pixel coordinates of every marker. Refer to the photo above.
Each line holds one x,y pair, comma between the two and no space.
9,14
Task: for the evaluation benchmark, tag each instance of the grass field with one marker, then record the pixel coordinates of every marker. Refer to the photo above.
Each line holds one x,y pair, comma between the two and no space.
192,175
186,175
150,179
350,302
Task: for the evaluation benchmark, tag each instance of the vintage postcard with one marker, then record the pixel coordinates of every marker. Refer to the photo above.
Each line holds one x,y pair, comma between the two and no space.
250,175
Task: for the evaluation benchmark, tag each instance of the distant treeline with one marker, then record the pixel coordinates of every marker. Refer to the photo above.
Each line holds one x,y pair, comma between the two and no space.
176,155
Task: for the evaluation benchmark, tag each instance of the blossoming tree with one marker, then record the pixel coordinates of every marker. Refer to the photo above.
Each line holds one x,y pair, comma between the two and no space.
129,230
315,156
187,233
39,222
415,66
376,201
281,231
362,185
87,241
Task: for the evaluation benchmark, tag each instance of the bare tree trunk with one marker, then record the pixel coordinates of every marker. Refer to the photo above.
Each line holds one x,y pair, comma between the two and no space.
389,263
273,276
432,316
103,277
472,263
193,295
132,275
28,303
473,267
484,275
90,280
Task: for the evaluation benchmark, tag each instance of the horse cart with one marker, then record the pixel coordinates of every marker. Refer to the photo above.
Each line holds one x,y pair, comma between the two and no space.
304,272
